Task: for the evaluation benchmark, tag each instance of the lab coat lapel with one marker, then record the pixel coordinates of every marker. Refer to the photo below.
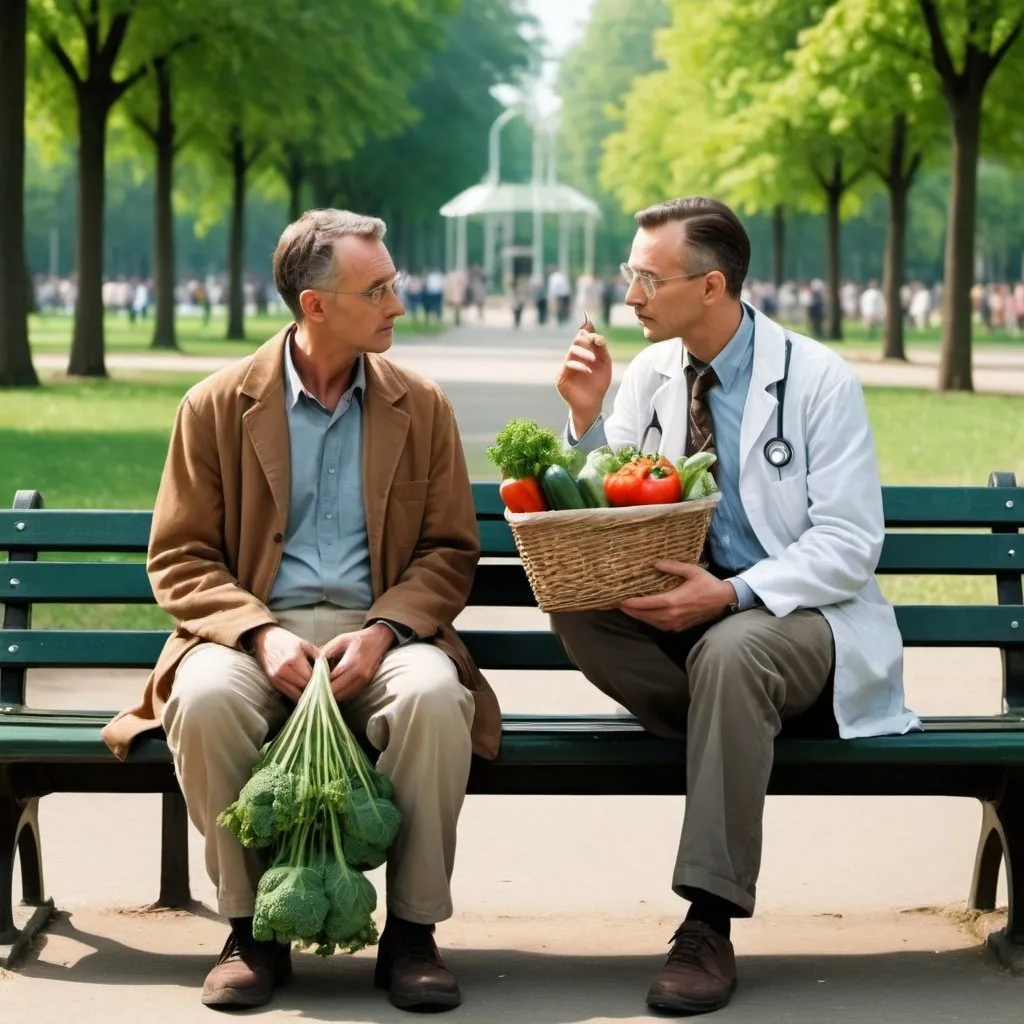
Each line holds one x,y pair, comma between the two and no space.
769,367
669,403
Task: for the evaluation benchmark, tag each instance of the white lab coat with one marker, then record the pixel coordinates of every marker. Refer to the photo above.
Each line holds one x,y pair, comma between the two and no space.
820,518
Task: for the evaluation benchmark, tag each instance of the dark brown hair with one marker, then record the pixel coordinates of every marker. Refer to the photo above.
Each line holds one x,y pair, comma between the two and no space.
714,236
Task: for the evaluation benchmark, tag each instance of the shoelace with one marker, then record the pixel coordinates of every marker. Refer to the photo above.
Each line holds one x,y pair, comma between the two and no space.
689,947
232,949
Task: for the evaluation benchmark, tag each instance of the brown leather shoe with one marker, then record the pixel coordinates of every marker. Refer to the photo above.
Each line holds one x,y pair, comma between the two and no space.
699,975
410,967
247,972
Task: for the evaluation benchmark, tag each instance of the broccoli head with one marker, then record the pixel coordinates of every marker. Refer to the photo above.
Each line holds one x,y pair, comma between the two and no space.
271,802
290,904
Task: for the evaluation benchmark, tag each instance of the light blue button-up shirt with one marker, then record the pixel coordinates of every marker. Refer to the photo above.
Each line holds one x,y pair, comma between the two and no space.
326,553
733,544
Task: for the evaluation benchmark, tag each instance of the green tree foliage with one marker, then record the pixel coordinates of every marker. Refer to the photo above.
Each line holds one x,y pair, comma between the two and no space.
408,176
617,47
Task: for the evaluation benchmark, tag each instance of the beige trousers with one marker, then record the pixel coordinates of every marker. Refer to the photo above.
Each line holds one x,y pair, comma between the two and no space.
725,689
415,711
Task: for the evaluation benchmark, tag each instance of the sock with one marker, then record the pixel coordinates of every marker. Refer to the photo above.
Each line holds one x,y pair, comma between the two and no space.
715,912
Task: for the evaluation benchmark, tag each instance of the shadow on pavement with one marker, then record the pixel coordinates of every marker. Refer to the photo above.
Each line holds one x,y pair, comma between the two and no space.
545,988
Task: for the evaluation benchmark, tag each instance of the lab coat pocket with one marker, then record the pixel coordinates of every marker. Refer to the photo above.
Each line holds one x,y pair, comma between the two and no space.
786,506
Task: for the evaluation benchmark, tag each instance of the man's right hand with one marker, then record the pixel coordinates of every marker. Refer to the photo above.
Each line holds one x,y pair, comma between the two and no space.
585,377
286,659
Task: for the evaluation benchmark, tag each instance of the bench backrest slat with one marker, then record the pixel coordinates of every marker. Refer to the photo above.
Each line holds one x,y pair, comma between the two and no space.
498,584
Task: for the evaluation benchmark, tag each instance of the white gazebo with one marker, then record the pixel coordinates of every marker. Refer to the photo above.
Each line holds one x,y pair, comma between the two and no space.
497,203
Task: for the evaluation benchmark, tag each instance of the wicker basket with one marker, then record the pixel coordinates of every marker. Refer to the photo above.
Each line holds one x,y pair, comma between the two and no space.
593,559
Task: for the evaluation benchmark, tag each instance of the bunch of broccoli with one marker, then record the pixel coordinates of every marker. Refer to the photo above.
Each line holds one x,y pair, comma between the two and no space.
326,816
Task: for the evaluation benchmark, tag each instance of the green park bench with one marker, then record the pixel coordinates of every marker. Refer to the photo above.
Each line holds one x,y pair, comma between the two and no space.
970,531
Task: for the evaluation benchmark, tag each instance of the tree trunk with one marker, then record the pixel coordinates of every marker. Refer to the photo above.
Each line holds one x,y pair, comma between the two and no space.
834,326
955,363
897,183
296,182
778,245
164,335
16,368
895,262
236,241
87,342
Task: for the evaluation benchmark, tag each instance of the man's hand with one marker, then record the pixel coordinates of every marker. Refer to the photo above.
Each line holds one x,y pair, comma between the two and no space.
358,656
700,598
585,377
286,659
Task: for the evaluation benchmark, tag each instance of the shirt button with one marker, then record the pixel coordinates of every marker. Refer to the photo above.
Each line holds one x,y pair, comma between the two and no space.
331,471
328,516
278,538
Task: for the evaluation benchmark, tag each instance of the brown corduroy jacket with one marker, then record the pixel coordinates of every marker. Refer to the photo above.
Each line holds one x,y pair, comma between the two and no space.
222,510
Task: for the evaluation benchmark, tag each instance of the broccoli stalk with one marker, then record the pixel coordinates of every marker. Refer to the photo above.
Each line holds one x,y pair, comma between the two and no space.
326,815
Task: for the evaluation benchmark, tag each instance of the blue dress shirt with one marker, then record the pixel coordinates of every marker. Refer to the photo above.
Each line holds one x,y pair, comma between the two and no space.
326,553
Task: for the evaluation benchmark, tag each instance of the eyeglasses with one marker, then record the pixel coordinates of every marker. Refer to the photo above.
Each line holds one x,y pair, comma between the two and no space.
649,283
375,295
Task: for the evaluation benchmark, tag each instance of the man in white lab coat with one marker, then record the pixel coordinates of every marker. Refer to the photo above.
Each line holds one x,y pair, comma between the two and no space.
787,619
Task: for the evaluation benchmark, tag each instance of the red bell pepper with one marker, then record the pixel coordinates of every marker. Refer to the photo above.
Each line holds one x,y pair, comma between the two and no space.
523,495
644,481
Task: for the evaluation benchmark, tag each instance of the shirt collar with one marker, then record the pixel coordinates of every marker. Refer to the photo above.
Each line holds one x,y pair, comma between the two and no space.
293,386
728,363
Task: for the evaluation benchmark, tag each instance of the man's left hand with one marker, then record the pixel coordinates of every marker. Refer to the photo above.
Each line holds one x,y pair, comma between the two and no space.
357,656
699,598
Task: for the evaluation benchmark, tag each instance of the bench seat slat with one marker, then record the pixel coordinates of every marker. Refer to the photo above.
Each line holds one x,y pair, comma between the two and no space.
565,740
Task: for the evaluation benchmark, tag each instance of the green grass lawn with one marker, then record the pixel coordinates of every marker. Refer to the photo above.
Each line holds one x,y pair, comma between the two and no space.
53,334
101,444
627,341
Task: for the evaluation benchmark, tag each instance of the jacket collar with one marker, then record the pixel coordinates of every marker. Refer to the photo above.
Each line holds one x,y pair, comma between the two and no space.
266,373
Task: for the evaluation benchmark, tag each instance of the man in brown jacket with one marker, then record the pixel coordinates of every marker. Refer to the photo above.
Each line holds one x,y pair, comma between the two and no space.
315,500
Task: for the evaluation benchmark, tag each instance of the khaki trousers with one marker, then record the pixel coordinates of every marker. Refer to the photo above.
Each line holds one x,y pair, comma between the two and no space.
725,688
415,711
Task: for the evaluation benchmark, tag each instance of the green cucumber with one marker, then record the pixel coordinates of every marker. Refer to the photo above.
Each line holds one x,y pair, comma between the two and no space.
559,489
590,484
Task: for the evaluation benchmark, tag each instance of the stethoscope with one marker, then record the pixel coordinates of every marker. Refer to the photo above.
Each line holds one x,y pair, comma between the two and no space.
778,452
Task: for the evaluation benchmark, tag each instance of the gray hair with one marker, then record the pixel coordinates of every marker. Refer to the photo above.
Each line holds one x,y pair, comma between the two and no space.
304,257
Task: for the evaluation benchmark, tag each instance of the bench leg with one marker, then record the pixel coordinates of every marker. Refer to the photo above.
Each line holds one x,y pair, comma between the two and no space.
174,883
19,834
10,816
988,861
1003,830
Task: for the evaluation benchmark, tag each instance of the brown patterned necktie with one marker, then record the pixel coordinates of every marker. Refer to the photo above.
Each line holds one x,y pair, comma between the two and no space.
702,434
